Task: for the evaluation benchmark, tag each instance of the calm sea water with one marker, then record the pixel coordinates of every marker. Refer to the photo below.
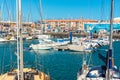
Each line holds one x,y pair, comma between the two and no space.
61,65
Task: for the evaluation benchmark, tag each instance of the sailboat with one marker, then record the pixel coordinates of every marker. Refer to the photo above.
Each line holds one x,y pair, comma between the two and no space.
22,73
103,72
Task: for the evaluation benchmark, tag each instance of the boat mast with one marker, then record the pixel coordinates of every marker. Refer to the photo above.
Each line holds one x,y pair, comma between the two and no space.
110,64
19,43
111,24
0,15
1,10
41,22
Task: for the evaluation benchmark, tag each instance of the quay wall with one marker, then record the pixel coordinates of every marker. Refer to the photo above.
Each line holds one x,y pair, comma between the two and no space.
66,35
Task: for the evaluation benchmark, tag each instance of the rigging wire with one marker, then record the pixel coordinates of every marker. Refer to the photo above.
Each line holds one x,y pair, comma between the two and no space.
12,10
88,9
10,46
2,10
29,12
90,60
102,10
38,6
102,15
36,60
39,9
41,22
3,63
8,11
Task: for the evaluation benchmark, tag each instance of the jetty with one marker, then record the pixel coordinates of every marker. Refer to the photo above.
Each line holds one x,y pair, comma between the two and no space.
85,34
65,34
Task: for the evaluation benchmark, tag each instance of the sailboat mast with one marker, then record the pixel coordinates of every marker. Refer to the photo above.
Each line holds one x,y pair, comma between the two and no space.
110,53
111,31
41,22
20,43
111,23
17,38
0,15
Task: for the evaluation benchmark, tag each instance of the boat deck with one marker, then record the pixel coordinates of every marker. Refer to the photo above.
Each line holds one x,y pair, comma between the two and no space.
29,74
61,48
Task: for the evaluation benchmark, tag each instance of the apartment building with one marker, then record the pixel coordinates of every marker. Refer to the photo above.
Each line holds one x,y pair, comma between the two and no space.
65,25
8,26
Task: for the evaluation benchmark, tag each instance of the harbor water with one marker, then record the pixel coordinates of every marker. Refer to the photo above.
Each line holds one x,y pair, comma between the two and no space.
60,65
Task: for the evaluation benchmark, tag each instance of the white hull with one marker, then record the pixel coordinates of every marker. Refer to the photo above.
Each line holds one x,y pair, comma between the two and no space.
3,40
76,48
12,39
43,36
29,38
40,47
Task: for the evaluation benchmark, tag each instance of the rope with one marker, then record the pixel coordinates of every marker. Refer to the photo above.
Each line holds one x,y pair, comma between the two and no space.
2,71
14,64
7,10
12,9
36,60
2,10
30,11
39,7
89,11
10,56
102,9
37,63
41,10
90,59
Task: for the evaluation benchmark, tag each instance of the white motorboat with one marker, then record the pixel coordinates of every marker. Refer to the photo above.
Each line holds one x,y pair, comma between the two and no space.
74,47
40,47
3,40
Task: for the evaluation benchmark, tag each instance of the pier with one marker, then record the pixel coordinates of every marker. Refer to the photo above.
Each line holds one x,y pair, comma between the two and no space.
66,35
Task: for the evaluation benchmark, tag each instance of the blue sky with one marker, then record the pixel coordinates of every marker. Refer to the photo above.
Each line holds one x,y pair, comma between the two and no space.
62,9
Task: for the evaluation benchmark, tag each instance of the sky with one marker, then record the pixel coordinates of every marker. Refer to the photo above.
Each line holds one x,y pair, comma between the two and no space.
60,9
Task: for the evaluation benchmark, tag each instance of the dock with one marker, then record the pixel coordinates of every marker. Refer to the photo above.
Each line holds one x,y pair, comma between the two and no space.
65,34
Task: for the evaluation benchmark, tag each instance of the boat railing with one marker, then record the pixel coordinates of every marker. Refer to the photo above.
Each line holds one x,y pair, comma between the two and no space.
10,68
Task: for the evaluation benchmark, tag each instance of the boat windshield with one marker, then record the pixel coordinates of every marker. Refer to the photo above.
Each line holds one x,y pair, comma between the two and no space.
96,72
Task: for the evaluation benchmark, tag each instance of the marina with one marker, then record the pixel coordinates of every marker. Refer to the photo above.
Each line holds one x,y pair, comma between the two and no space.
59,40
69,62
